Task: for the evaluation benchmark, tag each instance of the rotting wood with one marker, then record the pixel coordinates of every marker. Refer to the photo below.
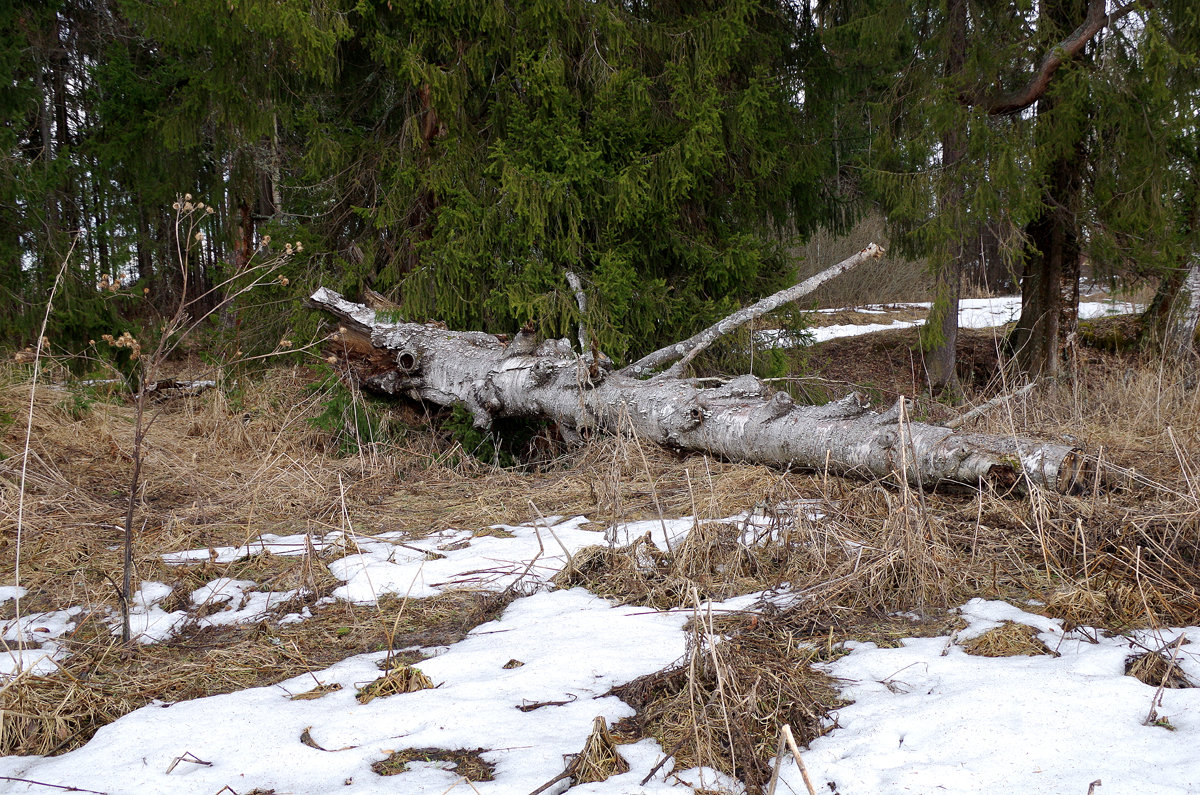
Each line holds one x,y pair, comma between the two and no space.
740,421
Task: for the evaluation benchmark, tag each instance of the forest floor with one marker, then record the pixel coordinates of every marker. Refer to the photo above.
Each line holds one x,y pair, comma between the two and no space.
694,604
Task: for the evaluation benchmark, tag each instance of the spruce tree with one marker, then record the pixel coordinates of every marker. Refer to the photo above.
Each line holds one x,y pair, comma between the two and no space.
1026,131
474,153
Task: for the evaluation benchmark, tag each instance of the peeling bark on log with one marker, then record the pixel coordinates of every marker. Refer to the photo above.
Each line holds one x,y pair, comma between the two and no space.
740,421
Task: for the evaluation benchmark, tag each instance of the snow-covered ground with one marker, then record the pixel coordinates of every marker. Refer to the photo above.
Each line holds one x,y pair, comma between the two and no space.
972,313
926,717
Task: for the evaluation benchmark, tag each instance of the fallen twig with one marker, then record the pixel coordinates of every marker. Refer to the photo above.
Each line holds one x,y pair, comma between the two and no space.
786,732
1152,715
188,756
63,787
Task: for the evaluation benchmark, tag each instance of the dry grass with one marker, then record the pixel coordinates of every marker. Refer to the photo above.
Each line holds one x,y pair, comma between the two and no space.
402,679
1010,639
723,705
891,279
230,465
468,763
599,758
1154,668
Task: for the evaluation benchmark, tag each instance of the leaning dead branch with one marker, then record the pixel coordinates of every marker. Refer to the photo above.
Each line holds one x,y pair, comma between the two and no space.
684,352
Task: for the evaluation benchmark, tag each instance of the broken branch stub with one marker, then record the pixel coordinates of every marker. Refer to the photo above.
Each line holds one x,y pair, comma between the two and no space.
741,420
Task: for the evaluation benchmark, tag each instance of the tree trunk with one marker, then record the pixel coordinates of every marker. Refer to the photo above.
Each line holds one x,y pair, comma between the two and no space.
739,421
1050,283
986,269
1180,342
939,335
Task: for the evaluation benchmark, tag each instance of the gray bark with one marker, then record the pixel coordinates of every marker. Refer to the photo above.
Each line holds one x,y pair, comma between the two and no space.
1185,315
581,301
741,421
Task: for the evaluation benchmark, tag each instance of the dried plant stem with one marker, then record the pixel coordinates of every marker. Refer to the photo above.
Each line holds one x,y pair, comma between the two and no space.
984,408
1155,702
791,743
63,787
778,765
554,535
37,362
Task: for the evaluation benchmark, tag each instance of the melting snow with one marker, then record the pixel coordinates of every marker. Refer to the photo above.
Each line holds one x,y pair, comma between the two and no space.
926,716
972,313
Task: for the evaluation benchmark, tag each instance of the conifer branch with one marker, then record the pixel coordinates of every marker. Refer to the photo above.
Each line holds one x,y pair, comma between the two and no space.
1060,53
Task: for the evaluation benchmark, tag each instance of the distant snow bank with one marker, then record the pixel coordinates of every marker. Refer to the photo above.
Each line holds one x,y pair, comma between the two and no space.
972,313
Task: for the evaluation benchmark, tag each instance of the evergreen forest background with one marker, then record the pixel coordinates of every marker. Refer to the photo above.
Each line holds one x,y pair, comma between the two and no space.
461,157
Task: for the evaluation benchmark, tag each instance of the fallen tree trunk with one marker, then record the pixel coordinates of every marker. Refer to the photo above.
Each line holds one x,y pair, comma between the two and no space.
741,420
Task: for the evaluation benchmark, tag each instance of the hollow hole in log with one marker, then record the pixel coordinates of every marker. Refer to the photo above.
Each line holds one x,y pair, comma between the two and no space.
407,361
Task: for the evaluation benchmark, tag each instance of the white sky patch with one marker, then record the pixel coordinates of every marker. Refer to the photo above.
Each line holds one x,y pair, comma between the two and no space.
574,646
928,717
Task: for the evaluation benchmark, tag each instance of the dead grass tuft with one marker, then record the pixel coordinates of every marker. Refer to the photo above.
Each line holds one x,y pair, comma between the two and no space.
468,764
599,758
723,705
316,692
1010,639
1155,669
403,679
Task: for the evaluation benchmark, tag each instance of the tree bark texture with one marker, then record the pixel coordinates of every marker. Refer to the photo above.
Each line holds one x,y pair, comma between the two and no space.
741,420
1185,315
